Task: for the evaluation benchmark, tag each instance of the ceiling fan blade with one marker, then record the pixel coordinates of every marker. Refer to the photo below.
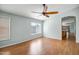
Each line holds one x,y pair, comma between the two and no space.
54,12
40,15
36,12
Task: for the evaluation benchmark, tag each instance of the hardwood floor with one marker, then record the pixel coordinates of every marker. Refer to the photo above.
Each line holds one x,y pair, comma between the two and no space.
43,46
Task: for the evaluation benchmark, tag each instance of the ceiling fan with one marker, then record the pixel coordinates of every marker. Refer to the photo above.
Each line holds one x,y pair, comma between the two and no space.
45,12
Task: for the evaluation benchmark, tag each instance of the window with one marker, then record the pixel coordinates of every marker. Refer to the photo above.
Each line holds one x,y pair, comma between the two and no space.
4,28
35,27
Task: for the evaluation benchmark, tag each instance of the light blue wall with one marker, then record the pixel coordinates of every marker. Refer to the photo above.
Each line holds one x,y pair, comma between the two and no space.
52,27
20,29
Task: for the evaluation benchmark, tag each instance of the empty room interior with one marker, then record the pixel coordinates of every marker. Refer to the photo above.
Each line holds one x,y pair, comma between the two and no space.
39,29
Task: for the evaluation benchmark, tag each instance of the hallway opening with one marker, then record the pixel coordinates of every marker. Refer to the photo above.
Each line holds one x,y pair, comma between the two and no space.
69,28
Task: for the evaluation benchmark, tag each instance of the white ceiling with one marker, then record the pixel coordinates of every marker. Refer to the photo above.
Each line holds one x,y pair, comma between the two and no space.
26,9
